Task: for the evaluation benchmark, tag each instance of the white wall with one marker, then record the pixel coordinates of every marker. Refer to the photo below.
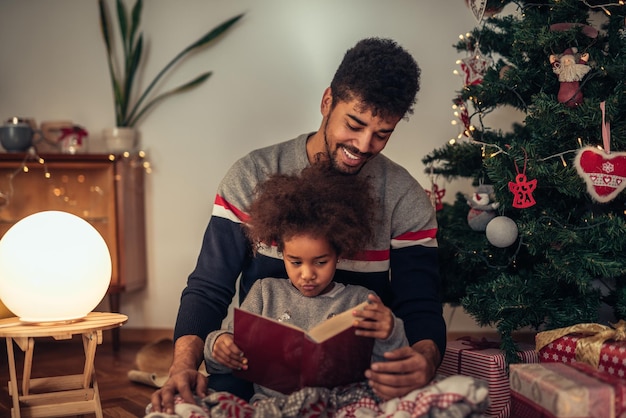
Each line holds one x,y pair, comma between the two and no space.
269,74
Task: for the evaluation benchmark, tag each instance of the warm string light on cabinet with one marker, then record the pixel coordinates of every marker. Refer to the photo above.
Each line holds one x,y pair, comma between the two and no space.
31,155
7,195
140,160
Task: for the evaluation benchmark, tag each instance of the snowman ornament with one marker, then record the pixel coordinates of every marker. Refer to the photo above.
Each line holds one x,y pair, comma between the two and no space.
482,207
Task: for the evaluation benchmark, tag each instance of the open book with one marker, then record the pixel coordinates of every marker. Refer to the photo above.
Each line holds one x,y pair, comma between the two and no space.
286,358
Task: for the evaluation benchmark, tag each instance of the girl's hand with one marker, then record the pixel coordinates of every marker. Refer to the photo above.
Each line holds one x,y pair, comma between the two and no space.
375,320
226,352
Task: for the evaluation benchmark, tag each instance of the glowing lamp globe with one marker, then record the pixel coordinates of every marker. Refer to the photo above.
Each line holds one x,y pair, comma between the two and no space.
54,266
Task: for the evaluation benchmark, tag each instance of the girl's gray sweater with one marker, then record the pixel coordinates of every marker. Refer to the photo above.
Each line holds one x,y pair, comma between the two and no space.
279,299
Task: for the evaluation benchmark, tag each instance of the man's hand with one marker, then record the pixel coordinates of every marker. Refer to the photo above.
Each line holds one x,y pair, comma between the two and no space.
184,377
406,369
185,383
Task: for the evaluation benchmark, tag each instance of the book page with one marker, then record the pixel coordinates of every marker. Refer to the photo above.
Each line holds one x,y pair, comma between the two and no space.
334,325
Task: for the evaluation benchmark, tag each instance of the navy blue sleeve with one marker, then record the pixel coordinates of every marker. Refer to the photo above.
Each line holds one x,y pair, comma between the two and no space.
416,298
211,286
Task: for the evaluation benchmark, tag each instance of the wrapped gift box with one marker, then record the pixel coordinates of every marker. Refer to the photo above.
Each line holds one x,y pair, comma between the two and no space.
484,360
558,390
593,344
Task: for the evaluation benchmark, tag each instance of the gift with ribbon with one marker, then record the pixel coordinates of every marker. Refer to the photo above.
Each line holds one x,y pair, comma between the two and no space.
602,347
550,390
483,359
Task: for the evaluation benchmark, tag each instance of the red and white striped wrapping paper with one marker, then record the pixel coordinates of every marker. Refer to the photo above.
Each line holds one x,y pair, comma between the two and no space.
469,358
559,390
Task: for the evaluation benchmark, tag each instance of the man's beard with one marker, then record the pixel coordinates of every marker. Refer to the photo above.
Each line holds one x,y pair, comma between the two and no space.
334,156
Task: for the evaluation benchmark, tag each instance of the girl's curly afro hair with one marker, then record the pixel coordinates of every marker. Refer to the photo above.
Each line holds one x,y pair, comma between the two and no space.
319,202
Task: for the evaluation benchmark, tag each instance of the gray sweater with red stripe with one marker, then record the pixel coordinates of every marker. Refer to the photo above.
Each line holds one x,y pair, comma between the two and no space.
401,265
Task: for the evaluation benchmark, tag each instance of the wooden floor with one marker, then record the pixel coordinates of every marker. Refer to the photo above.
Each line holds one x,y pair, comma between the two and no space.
120,398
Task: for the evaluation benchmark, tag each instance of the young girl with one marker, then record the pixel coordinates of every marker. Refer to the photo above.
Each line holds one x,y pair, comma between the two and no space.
315,219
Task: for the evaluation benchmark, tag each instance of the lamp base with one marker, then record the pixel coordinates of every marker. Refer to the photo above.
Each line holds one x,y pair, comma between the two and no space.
48,322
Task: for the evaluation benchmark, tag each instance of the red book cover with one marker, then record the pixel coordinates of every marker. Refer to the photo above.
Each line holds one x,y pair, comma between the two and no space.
286,358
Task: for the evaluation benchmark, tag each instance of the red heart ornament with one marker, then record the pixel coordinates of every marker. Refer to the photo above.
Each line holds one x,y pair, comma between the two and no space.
604,174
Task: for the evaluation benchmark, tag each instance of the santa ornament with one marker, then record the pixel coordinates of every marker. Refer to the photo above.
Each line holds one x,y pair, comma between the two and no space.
570,67
604,172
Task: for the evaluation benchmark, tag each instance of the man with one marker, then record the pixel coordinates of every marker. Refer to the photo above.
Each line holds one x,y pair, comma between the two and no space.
373,89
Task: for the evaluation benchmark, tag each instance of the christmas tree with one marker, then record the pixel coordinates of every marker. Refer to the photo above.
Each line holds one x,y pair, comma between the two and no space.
542,241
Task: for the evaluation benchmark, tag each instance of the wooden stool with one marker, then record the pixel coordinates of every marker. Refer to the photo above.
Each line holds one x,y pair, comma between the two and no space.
58,395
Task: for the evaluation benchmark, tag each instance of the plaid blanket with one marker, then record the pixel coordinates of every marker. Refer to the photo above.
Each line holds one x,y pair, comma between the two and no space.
452,397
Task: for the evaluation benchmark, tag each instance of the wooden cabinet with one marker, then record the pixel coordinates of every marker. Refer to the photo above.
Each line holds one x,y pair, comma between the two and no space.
106,190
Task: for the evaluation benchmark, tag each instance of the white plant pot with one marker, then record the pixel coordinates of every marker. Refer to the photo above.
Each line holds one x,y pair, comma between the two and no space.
120,139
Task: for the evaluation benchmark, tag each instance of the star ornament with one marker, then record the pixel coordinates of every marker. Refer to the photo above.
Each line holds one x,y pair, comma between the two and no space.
604,174
474,69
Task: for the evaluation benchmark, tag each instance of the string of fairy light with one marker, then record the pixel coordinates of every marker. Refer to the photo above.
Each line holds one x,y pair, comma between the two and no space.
5,197
33,156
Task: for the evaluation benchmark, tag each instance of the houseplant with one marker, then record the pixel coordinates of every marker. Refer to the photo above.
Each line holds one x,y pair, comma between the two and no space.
130,105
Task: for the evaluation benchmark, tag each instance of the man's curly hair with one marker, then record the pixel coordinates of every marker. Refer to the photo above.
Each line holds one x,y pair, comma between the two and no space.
319,202
381,74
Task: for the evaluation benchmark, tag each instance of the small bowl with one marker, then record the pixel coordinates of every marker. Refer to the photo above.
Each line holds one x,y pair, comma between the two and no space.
16,137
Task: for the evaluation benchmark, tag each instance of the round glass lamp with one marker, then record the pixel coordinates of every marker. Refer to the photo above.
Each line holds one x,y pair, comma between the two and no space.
54,266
